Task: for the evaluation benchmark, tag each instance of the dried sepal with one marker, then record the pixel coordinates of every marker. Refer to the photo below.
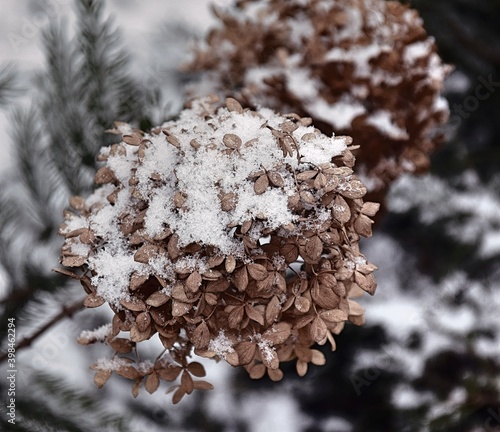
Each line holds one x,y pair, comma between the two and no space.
101,377
152,382
93,300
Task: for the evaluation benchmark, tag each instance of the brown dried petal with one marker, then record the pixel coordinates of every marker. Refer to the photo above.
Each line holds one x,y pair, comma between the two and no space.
312,250
196,369
307,197
363,225
306,175
269,357
102,377
145,253
228,201
137,335
143,321
235,317
233,105
203,385
275,374
134,304
77,202
173,247
211,298
169,373
104,175
257,271
230,264
232,141
317,358
87,237
93,300
136,280
157,299
121,345
245,227
171,138
254,314
275,179
320,181
133,140
246,352
370,208
179,199
240,278
303,321
193,282
367,283
232,358
333,316
178,395
355,308
301,368
219,285
179,308
215,260
152,383
341,210
290,252
288,126
277,333
201,336
73,260
128,372
187,382
257,371
324,296
302,304
318,330
273,310
261,184
353,189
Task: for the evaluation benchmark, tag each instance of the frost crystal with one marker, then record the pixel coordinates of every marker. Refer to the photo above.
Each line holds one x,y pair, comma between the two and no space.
221,345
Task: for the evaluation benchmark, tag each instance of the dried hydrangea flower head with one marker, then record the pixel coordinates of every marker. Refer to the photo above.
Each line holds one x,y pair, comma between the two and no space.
364,68
229,233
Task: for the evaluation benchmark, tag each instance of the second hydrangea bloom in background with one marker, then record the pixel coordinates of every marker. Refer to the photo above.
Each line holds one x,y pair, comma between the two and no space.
362,68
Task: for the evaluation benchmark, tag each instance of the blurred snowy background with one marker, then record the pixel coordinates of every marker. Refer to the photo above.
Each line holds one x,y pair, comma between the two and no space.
428,357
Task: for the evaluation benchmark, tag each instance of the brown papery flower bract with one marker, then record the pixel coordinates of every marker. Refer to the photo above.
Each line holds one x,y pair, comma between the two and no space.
364,68
228,233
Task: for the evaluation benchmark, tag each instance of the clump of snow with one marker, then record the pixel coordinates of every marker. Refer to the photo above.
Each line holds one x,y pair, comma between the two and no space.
110,364
384,123
112,274
97,335
221,345
267,349
340,114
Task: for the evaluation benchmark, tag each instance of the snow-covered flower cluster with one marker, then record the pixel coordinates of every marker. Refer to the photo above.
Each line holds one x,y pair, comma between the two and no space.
229,232
364,68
